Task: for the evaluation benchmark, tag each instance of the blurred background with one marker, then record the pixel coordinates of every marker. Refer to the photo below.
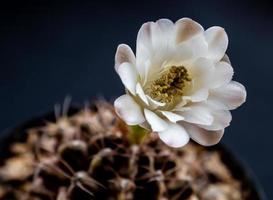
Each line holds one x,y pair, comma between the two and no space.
50,50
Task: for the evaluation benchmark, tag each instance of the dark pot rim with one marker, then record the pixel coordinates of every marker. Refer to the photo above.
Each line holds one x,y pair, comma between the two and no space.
233,161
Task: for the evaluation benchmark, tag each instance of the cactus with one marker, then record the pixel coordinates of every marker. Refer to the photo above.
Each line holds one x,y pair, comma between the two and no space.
92,155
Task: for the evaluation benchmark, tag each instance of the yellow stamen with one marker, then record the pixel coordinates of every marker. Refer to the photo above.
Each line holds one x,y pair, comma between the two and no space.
170,85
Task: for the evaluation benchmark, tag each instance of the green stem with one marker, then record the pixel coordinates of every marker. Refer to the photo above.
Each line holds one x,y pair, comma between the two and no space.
137,134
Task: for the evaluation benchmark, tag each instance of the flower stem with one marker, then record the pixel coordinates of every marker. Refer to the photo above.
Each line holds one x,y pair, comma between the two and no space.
137,134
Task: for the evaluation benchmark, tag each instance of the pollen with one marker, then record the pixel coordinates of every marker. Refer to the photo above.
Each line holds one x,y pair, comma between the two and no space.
170,85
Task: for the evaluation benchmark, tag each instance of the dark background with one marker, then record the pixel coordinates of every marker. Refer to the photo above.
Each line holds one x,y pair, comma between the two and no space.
50,50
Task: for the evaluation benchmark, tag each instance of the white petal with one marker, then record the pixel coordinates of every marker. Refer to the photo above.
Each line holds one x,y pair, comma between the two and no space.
144,48
181,109
187,28
180,106
124,54
157,124
217,40
232,95
222,74
215,104
173,117
163,35
198,114
181,54
144,36
198,45
199,95
202,136
200,72
153,103
221,120
201,68
174,136
141,94
128,110
128,76
154,42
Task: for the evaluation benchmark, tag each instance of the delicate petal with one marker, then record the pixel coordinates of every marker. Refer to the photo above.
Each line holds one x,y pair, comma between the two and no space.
200,72
195,47
198,45
181,105
180,55
163,35
202,67
202,136
232,95
144,36
215,104
198,114
173,117
153,103
174,136
222,75
181,109
157,124
221,120
141,94
146,70
124,54
217,40
154,42
199,95
128,76
186,29
128,110
144,48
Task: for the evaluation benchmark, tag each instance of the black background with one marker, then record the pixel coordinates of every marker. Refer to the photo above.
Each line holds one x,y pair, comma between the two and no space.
50,50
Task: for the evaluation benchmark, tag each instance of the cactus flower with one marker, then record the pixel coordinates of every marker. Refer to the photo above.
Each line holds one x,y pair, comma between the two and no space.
179,83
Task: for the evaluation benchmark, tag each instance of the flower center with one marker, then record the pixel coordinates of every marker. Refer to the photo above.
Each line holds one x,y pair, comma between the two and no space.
170,85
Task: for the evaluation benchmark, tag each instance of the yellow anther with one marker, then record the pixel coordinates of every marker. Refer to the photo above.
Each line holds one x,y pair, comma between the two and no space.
170,85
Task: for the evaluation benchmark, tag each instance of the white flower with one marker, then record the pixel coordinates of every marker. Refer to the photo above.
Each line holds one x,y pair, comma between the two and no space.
179,83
